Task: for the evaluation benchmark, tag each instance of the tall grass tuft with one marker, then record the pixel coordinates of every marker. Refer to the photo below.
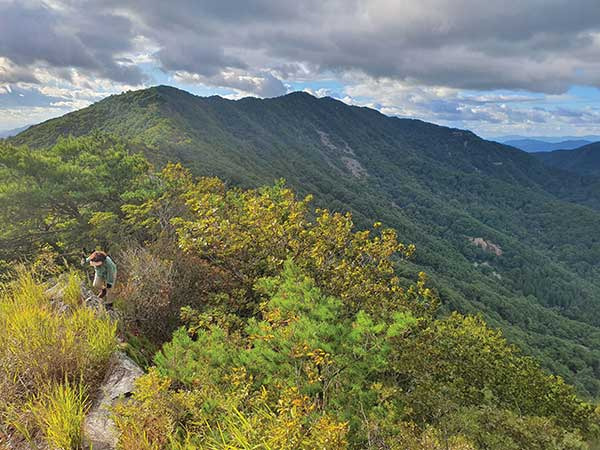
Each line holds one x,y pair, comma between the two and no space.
58,412
44,345
72,290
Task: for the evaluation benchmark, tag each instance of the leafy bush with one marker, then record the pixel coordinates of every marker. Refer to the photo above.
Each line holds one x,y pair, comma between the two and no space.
369,382
244,235
148,421
462,362
216,417
146,293
287,427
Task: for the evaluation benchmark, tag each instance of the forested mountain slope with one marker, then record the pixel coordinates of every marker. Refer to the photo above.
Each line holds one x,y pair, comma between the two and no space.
583,160
498,231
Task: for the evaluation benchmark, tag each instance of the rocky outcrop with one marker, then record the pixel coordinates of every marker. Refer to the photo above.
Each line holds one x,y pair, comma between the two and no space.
488,246
98,428
91,299
343,153
56,295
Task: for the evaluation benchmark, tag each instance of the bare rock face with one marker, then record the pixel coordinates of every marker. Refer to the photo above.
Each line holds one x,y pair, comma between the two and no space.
488,246
90,299
98,428
343,153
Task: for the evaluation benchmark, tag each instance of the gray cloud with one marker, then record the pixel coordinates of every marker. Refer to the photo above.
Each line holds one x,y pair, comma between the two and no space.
535,45
251,46
10,73
34,35
190,53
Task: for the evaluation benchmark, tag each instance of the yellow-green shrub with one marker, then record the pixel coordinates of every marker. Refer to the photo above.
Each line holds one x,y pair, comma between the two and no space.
215,416
149,420
294,424
72,290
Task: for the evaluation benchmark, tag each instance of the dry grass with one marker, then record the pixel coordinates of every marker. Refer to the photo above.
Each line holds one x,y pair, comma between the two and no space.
145,296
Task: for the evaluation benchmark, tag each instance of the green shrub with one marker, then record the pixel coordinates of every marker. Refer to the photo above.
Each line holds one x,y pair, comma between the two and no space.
395,382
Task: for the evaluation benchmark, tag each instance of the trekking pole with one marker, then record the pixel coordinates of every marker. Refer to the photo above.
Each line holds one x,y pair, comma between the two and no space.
89,274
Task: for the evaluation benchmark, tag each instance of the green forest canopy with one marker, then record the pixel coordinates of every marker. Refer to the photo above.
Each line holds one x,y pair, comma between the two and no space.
440,189
277,325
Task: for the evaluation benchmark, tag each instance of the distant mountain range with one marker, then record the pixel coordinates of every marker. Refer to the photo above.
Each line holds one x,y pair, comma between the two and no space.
500,232
534,145
13,132
553,139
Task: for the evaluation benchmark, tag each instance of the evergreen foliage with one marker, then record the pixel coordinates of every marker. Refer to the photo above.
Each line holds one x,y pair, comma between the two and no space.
350,381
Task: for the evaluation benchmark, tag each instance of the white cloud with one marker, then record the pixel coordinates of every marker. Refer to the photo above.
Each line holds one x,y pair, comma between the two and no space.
259,83
18,117
488,114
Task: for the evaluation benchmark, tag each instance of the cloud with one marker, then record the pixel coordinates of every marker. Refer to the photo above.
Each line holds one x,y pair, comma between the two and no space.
468,44
534,45
262,84
11,73
34,34
441,60
487,113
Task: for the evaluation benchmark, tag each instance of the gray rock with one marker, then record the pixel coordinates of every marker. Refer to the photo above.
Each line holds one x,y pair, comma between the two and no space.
91,299
98,429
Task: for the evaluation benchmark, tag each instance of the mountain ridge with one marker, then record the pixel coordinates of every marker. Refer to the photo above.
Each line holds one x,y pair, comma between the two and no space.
584,160
12,132
534,145
439,187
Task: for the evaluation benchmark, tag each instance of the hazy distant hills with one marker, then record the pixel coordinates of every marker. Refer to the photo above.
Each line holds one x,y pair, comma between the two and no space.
516,137
534,145
500,231
13,132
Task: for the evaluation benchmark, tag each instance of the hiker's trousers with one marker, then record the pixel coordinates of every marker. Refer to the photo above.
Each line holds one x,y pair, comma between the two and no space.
99,283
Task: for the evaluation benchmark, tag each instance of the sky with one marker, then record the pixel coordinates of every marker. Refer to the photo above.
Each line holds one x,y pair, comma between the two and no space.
497,67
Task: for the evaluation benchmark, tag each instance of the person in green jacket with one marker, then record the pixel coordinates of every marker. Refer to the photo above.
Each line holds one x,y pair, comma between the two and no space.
105,273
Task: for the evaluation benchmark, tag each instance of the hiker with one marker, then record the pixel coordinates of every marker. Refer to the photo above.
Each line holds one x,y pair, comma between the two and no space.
105,273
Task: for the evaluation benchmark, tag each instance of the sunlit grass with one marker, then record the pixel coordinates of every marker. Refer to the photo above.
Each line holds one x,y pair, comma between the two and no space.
48,355
58,412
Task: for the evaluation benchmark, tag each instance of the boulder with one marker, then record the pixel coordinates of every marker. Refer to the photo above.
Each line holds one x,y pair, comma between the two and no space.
56,294
98,428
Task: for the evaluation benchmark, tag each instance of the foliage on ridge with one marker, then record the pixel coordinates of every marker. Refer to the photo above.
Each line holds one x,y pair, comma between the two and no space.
438,187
